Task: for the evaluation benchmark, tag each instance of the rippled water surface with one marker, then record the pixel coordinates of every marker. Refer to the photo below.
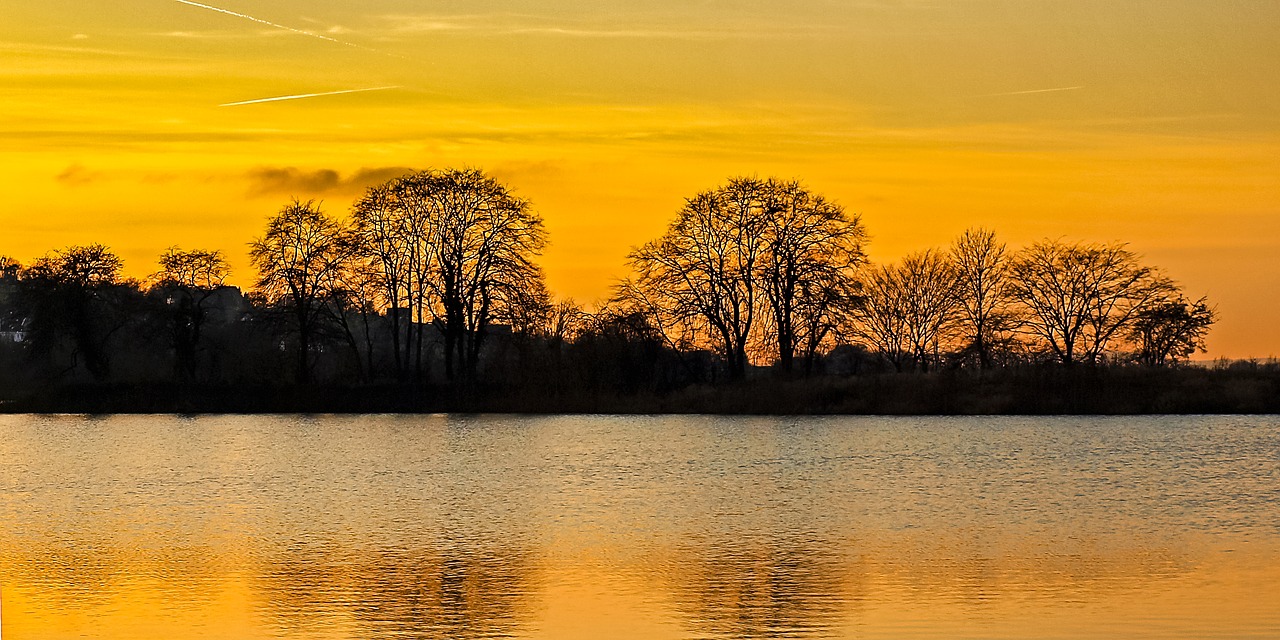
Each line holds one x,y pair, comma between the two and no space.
639,527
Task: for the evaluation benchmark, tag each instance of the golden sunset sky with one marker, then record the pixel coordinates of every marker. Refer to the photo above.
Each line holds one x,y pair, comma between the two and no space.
1155,122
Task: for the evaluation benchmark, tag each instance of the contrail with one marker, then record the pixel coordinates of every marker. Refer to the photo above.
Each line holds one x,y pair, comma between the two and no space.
303,95
277,26
1022,93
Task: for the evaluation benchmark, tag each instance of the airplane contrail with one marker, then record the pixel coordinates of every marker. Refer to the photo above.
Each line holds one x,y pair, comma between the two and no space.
277,26
1021,93
303,95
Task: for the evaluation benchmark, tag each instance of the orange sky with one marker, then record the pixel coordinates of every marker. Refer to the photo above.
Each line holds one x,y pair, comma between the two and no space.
1153,122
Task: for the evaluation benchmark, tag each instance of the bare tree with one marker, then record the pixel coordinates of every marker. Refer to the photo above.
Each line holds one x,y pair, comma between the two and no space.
69,294
881,318
675,327
1079,297
908,309
981,271
566,320
418,198
354,289
453,248
1171,330
827,304
929,284
397,225
296,260
533,313
91,265
808,266
187,280
383,233
485,242
528,311
703,274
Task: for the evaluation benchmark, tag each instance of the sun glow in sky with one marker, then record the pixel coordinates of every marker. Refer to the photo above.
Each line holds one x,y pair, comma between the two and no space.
1162,128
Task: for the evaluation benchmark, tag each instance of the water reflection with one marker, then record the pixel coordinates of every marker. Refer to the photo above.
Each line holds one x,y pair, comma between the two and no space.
400,593
774,589
799,588
487,527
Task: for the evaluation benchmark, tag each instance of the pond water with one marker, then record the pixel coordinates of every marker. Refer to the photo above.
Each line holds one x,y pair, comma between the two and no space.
639,527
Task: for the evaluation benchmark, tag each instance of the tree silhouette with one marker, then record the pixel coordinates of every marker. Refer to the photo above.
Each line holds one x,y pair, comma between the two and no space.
1171,330
881,318
186,281
354,289
704,272
384,232
753,265
528,311
1079,297
434,279
296,260
397,227
908,309
74,294
981,271
930,287
808,267
457,248
619,349
486,242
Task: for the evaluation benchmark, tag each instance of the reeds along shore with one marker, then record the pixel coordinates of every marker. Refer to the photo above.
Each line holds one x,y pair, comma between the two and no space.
758,298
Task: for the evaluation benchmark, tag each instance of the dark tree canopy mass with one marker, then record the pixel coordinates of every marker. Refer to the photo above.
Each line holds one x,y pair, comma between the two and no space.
759,297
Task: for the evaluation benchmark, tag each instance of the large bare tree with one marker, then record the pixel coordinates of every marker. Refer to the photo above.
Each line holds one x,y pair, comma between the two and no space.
753,266
485,243
296,260
981,269
808,268
881,317
1079,297
908,309
703,274
454,248
377,228
391,225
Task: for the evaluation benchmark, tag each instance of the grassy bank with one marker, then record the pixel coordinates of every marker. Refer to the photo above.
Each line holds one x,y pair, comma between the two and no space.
1032,390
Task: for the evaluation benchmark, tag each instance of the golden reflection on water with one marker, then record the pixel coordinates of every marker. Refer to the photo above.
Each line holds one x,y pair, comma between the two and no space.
386,527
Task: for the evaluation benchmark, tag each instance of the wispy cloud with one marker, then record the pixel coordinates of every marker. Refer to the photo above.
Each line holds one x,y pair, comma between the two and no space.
221,35
236,14
1030,91
301,96
515,24
40,48
276,25
295,181
77,175
529,170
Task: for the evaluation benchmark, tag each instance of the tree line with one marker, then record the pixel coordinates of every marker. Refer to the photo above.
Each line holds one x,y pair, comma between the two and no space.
433,278
764,270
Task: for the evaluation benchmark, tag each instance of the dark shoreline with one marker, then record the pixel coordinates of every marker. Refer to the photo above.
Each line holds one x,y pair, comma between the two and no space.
1030,391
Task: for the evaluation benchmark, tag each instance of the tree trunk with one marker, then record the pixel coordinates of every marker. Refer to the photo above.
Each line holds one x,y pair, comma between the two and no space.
786,350
304,347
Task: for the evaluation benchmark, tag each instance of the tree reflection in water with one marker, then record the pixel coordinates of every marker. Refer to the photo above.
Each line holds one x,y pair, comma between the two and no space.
369,528
779,588
450,591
